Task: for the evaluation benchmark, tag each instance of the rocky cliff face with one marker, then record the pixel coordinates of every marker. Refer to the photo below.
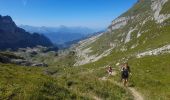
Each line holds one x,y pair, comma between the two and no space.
142,29
118,23
13,37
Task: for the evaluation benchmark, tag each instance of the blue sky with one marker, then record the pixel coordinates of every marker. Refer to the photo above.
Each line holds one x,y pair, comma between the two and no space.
88,13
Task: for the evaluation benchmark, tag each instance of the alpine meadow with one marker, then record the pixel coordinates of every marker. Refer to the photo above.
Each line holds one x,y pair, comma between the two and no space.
84,63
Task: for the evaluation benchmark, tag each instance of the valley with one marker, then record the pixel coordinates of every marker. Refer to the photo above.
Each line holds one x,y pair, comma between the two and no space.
139,37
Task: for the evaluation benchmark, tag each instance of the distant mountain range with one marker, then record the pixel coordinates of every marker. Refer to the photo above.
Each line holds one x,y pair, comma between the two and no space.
62,34
14,37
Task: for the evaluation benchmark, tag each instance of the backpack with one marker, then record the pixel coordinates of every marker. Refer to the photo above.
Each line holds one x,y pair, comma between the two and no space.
125,72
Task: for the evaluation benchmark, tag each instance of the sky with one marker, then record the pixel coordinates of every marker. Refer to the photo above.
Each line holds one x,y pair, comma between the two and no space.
53,13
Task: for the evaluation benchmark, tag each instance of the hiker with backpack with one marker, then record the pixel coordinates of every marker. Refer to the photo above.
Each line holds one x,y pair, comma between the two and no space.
125,71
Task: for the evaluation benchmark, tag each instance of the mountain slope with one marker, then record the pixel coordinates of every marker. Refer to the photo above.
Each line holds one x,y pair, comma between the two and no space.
13,37
141,28
140,36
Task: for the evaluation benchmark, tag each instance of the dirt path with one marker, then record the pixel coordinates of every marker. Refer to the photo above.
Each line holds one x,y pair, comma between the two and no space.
134,92
96,98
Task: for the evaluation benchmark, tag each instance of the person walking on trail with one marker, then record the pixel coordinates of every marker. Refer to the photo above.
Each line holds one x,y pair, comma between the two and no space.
125,71
110,70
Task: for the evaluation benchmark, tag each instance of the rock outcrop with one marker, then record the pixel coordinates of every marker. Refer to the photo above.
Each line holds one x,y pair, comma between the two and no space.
10,58
157,7
118,23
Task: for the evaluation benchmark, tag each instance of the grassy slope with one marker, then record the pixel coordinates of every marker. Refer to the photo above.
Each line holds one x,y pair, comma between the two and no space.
59,81
151,76
154,38
154,84
30,83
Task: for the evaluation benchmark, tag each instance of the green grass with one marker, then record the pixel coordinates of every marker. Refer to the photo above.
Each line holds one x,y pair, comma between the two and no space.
30,83
89,84
151,76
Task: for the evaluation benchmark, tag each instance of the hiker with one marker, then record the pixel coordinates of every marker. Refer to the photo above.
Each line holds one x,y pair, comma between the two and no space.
125,71
110,70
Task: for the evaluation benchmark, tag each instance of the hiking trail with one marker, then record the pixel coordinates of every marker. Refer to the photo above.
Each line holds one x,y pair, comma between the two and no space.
133,91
